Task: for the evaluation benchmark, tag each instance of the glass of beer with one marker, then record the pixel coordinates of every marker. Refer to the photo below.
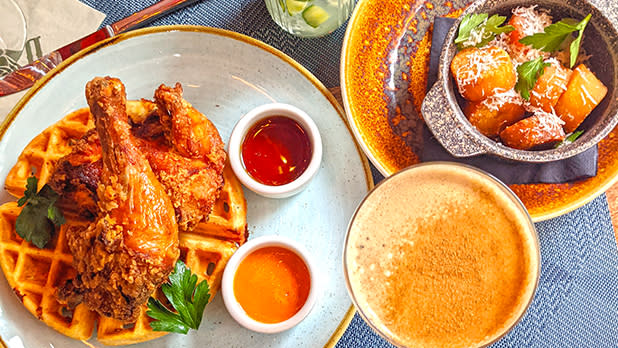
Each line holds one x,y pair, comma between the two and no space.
441,254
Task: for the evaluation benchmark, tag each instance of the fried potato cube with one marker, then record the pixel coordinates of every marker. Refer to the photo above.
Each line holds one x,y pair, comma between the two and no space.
538,129
526,21
550,86
483,72
519,23
490,116
583,93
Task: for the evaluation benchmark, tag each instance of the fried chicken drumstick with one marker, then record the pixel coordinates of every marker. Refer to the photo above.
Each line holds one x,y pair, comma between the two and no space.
183,148
129,250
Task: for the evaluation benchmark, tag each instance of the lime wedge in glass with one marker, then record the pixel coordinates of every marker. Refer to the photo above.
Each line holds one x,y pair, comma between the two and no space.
315,15
295,6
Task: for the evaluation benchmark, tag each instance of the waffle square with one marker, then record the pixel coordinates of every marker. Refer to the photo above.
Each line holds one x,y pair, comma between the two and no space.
35,274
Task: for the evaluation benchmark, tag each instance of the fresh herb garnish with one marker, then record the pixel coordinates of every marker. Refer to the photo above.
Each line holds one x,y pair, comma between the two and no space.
36,221
469,23
188,300
576,44
493,26
479,25
570,138
528,73
553,36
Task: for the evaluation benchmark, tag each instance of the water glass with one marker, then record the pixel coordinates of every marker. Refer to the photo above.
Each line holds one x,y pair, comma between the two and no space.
310,18
12,35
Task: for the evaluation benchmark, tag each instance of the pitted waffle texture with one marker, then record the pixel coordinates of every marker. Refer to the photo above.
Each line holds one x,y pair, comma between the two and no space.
35,274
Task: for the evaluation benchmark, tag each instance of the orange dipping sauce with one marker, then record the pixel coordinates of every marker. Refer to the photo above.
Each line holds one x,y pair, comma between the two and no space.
276,151
272,284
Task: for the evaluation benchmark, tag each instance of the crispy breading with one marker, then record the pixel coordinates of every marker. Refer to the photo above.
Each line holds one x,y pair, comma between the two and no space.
132,246
192,134
188,162
77,175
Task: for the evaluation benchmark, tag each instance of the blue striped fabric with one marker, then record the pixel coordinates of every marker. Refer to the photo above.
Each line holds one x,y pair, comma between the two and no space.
249,17
576,304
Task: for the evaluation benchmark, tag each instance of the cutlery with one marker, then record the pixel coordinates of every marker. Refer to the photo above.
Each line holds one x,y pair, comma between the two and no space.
27,75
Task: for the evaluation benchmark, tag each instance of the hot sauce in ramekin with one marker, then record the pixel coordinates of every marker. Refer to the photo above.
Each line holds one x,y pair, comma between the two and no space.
276,150
272,284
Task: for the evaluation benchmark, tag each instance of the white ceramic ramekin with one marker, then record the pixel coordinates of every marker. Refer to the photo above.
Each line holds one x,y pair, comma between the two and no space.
227,284
244,125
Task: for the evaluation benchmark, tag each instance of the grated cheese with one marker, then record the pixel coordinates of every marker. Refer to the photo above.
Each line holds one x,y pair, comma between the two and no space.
556,81
475,37
498,100
538,111
480,61
501,42
587,95
547,122
533,21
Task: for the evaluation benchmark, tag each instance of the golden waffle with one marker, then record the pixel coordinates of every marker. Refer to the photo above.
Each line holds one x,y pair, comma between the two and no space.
46,149
35,274
55,142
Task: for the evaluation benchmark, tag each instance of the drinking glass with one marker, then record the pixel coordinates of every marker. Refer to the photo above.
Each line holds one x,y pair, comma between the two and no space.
12,35
310,18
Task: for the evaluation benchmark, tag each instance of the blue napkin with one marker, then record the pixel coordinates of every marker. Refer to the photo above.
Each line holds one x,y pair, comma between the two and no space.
249,17
576,304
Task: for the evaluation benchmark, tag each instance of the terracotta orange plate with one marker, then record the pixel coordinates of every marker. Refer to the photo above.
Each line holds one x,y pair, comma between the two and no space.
384,66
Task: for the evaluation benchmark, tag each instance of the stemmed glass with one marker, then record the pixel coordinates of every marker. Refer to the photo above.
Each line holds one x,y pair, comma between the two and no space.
12,35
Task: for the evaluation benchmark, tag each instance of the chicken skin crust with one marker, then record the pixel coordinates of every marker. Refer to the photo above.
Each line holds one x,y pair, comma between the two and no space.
182,146
128,251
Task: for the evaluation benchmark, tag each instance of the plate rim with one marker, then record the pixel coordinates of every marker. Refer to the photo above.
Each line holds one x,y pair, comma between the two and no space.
344,90
538,217
12,115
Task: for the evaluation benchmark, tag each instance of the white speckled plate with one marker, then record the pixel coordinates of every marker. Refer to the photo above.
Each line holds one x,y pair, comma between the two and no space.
224,75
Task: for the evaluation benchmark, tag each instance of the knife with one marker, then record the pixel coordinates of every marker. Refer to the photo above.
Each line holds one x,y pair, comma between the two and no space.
27,75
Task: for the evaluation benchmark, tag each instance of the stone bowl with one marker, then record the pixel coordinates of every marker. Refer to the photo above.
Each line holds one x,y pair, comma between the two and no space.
443,114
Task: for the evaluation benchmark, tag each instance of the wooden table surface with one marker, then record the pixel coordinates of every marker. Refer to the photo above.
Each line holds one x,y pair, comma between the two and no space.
612,193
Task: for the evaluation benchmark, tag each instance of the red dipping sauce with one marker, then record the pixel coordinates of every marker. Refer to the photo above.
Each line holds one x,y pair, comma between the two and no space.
276,150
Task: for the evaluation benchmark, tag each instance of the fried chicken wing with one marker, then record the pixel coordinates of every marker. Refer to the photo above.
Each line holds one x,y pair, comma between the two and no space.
76,177
132,246
193,168
192,184
191,133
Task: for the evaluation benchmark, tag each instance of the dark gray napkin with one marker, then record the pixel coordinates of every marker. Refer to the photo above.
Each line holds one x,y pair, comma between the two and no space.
578,167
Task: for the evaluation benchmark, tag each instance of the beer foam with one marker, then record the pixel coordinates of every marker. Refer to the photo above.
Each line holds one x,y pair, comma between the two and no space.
441,255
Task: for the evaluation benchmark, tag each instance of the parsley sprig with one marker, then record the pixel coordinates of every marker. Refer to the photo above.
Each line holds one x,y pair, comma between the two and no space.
554,35
528,73
480,24
570,138
187,299
37,219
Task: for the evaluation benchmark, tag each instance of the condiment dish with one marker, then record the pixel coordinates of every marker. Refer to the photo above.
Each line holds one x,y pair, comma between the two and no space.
227,284
245,124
